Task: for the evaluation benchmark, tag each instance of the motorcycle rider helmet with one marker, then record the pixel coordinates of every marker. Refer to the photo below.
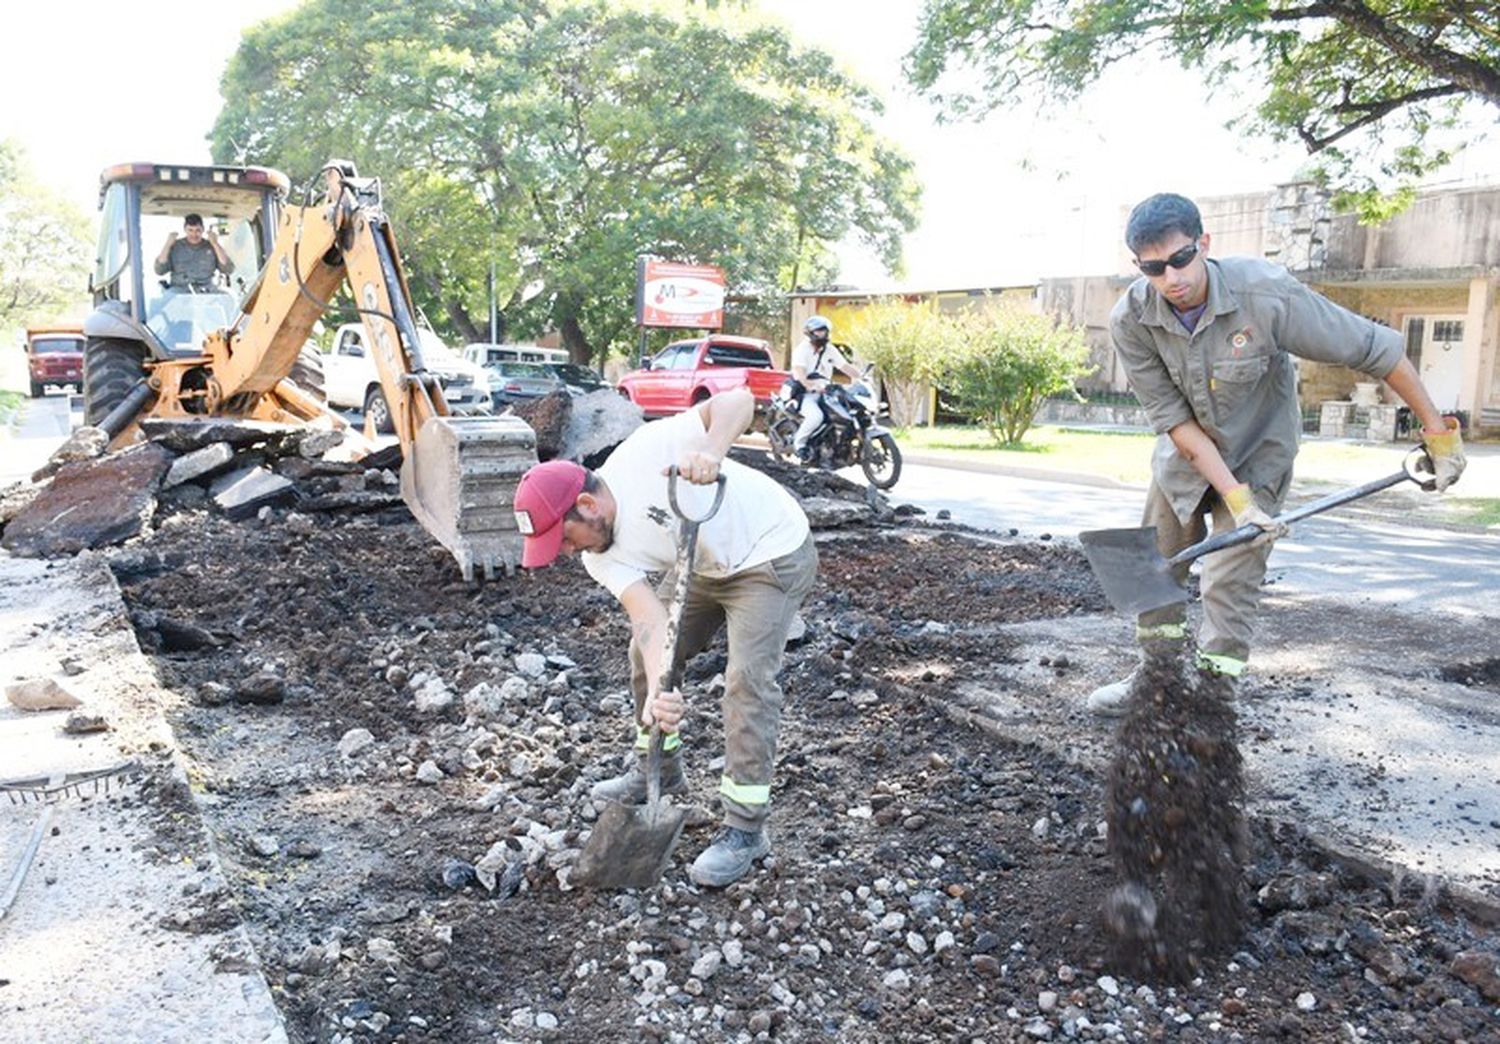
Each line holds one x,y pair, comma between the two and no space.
815,326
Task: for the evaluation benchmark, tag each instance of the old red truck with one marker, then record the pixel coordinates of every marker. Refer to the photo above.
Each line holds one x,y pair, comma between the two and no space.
685,373
54,355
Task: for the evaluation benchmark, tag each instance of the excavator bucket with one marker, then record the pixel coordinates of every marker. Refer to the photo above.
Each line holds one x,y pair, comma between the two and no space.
459,478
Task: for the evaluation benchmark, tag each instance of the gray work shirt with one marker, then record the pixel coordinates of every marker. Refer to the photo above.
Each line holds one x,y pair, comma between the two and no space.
1233,374
191,266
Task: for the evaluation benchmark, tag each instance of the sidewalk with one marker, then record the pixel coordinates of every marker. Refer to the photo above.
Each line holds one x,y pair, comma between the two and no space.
124,927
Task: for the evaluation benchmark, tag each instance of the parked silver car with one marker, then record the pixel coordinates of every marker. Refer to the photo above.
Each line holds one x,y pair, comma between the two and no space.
519,381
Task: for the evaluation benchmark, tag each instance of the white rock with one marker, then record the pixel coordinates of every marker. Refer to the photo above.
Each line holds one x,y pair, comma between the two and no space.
533,665
484,700
382,950
355,741
41,694
428,772
734,952
1046,1001
943,942
1040,828
488,868
1306,1001
432,696
707,966
897,979
893,922
1108,984
545,1020
916,943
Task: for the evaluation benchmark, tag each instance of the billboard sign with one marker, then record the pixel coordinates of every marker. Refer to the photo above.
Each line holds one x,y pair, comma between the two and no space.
676,295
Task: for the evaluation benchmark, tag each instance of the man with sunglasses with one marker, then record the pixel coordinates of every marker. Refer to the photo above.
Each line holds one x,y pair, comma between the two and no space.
1207,345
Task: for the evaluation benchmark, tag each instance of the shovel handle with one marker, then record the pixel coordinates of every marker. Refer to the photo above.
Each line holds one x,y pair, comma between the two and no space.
1411,471
671,671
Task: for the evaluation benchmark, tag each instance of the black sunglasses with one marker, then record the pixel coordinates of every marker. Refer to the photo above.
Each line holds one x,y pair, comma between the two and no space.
1180,259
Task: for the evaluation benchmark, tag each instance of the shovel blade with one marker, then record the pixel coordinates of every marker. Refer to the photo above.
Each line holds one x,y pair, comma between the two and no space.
630,846
1133,573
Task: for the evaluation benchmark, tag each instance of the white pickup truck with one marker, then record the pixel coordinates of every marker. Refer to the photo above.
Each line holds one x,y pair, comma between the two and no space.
352,382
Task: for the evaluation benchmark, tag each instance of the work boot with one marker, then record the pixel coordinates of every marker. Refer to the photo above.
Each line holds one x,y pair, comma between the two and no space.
1112,700
804,454
730,857
629,788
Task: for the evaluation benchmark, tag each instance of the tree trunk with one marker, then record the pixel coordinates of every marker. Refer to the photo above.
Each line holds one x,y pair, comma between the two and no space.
459,316
573,337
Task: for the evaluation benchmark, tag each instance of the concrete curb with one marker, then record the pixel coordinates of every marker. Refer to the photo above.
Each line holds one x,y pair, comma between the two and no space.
125,928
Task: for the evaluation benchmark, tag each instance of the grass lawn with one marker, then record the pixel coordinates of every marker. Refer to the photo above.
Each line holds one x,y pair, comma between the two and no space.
1126,456
10,405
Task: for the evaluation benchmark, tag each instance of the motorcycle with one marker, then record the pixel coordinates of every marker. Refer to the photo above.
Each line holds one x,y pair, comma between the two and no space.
850,433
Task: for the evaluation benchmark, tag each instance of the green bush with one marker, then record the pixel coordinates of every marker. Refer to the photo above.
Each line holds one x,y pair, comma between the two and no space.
908,343
1004,362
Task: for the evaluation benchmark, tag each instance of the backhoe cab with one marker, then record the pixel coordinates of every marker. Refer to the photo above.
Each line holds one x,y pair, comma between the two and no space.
242,351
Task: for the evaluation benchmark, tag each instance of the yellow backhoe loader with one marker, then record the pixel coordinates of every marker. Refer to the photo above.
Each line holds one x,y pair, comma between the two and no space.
205,352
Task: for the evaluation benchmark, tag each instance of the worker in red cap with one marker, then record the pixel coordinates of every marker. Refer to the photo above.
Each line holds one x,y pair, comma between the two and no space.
755,563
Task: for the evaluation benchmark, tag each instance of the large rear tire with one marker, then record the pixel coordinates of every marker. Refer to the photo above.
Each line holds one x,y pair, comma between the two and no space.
881,462
307,373
110,369
378,412
38,390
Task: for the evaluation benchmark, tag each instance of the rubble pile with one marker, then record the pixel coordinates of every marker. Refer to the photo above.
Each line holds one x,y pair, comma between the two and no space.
396,768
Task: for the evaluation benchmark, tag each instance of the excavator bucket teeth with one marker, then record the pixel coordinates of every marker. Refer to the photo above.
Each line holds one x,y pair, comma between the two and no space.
459,478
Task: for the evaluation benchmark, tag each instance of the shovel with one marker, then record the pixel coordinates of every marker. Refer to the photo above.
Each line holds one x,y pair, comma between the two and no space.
631,844
1136,578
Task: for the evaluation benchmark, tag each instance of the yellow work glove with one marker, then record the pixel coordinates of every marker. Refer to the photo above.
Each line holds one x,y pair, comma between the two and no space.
1241,504
1446,451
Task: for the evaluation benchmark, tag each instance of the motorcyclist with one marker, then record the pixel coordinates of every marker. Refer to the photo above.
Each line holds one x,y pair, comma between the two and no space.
813,362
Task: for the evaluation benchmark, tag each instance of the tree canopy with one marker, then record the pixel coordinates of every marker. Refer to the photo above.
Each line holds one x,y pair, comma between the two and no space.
45,246
561,139
1367,86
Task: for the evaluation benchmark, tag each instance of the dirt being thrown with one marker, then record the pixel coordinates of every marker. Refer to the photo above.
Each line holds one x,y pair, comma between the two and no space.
1175,809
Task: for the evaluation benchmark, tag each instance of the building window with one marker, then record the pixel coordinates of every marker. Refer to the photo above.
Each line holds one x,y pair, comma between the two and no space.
1416,326
1447,331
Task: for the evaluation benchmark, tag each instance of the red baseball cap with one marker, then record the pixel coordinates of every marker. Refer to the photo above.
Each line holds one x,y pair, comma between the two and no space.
546,493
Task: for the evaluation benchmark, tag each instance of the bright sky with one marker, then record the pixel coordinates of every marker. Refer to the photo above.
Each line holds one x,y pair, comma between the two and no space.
1017,197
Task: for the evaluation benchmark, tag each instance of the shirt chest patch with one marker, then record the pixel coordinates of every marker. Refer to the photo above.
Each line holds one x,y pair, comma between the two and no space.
660,517
1240,340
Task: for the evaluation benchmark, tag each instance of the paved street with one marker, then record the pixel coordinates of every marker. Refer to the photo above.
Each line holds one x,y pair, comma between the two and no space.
1400,566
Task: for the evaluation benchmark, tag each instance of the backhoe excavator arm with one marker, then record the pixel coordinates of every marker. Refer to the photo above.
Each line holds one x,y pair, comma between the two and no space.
458,474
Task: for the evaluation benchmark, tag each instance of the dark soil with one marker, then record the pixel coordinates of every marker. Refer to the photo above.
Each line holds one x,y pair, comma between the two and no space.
928,882
1176,796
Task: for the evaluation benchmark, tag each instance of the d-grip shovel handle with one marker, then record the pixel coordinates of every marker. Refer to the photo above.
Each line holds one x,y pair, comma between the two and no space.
1411,470
671,672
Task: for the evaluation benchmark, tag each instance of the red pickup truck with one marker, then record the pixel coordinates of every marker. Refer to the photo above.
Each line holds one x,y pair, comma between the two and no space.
685,373
54,355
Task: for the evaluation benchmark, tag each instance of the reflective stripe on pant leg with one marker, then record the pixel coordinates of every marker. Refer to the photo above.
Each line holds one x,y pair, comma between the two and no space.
1218,663
670,741
751,794
759,605
1161,632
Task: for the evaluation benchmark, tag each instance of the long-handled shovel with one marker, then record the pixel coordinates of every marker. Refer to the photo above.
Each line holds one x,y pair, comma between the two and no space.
631,844
1136,578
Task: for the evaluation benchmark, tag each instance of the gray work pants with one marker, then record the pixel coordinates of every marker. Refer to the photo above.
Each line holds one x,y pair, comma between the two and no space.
756,607
1230,580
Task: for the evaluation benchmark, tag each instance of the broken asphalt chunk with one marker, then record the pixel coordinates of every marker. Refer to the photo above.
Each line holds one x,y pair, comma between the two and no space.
241,494
90,504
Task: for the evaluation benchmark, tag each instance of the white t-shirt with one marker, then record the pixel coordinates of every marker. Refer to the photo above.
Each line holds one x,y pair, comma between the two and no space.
806,356
757,522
